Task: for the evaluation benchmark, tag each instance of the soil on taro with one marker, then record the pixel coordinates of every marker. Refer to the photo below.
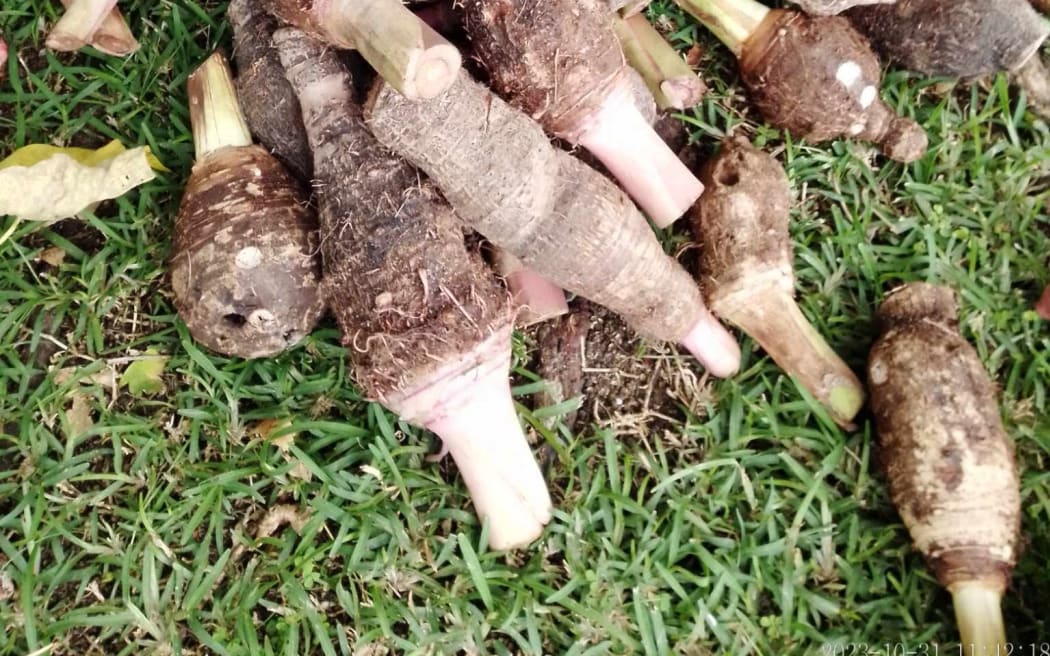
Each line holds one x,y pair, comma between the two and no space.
628,385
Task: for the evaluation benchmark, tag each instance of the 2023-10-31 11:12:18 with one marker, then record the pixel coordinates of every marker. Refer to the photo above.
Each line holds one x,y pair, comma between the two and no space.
932,649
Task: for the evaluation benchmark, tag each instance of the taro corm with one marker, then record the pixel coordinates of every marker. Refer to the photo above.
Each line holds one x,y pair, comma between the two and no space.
670,80
427,325
266,97
406,51
243,269
561,218
748,279
949,462
964,38
814,76
560,62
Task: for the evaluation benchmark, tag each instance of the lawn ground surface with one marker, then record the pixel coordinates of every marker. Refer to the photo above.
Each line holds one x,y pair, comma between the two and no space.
263,507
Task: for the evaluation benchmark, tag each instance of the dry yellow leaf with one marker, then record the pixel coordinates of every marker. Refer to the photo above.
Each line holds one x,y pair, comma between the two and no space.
59,186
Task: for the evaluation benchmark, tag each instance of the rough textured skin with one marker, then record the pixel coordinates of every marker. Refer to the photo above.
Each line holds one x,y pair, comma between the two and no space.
405,291
741,222
965,38
817,78
829,7
266,98
949,462
557,60
243,269
555,214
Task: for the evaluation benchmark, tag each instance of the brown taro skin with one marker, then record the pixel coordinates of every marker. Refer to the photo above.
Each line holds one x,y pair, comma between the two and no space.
817,78
950,464
964,38
407,294
243,270
556,60
267,100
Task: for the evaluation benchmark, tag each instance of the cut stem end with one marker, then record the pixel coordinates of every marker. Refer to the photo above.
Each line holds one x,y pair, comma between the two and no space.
638,158
79,24
214,111
732,21
980,618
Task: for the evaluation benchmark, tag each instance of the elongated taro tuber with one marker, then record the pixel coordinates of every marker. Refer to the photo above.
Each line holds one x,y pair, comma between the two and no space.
557,215
428,326
406,51
669,78
963,38
742,223
79,24
829,7
243,269
561,63
949,462
266,97
813,76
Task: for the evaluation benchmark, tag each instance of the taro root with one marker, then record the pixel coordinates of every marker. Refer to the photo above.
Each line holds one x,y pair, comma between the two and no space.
670,80
3,52
406,51
560,62
950,464
1043,306
243,270
964,38
816,77
561,218
266,97
748,278
829,7
426,323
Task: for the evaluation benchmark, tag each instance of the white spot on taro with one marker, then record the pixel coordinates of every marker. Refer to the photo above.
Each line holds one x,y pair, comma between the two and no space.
256,171
249,258
856,129
848,74
867,96
878,372
384,299
261,319
253,189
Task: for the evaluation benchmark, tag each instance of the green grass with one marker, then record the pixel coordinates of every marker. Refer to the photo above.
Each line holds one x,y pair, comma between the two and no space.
758,528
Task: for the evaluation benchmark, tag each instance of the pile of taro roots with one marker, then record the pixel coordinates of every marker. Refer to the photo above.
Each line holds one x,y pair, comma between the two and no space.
365,146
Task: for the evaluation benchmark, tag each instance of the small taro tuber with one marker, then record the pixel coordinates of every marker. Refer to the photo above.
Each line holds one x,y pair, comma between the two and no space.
963,38
560,62
243,268
557,215
748,279
265,96
949,463
813,76
428,327
406,51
